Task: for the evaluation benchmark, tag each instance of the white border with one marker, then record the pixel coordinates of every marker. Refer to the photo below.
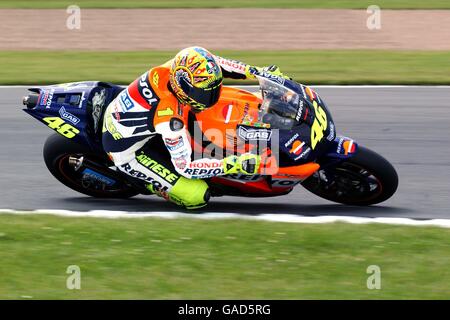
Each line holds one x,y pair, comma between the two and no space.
287,218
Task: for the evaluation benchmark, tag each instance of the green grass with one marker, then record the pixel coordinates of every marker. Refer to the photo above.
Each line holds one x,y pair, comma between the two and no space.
340,4
230,259
310,67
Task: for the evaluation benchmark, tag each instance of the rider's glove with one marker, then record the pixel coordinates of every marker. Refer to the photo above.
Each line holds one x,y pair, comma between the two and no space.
252,71
247,164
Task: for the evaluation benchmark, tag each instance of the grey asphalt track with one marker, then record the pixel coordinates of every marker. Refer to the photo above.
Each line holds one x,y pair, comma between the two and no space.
410,126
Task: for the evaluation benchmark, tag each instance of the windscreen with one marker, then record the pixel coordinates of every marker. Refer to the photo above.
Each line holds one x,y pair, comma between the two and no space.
280,105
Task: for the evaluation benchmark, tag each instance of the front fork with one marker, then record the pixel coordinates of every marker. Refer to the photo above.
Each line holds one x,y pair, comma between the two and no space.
340,149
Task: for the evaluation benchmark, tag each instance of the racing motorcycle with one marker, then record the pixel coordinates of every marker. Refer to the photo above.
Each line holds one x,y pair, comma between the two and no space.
333,167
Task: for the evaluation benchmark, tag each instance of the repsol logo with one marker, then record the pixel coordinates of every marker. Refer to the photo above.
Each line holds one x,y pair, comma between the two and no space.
339,147
47,98
257,177
146,91
304,154
291,140
203,173
139,175
299,111
243,177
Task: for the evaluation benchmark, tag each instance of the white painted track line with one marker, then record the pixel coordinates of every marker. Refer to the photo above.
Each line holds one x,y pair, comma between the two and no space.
286,218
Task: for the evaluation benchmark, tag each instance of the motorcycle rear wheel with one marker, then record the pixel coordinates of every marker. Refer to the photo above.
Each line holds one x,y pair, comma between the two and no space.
58,150
365,179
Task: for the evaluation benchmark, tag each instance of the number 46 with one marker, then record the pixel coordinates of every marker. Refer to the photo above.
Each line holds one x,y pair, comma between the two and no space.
61,127
319,125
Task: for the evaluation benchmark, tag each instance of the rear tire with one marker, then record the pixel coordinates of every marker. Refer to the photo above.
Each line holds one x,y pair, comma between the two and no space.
365,179
58,149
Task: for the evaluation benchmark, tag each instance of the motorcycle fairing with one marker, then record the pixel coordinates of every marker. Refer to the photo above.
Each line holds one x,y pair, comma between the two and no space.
79,105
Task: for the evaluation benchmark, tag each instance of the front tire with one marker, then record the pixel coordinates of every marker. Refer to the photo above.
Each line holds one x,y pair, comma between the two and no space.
58,150
364,179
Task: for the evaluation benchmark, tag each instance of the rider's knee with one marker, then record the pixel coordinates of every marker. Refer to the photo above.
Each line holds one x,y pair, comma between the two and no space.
190,193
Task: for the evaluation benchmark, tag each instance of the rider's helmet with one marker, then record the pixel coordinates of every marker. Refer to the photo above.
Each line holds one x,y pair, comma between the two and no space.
196,78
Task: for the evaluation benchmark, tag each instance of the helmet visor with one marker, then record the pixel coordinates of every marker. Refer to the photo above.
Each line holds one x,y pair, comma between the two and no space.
202,96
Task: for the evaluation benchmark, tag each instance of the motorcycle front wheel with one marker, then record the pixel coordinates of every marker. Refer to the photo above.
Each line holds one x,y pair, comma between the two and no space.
364,179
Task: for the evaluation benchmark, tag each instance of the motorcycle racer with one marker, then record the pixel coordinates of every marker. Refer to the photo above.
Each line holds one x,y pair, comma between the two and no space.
145,134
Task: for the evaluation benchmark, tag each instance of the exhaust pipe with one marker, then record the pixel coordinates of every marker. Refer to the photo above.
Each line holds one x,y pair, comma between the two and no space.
76,163
30,101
